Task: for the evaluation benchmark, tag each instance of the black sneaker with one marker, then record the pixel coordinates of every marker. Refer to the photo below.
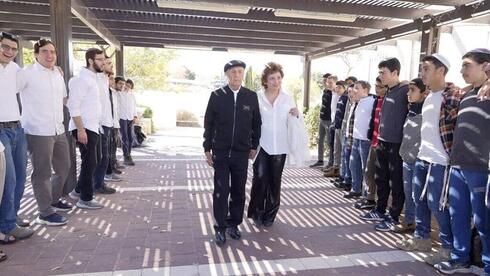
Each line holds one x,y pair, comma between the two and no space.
365,204
452,267
116,171
347,187
234,233
352,195
105,190
52,220
61,206
128,161
317,164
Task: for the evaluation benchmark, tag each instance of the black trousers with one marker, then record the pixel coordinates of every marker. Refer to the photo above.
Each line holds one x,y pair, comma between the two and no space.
265,196
103,150
388,176
230,177
112,150
88,155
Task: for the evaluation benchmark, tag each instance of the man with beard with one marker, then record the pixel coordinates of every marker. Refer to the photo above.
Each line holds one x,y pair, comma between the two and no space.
85,110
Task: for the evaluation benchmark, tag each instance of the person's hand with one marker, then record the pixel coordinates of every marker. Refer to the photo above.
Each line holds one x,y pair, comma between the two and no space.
484,93
252,154
294,111
82,137
209,158
135,120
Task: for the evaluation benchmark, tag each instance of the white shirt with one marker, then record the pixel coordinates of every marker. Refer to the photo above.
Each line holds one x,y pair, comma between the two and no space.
274,130
105,102
9,107
84,100
431,148
235,92
2,148
115,106
362,118
127,106
42,91
351,112
333,105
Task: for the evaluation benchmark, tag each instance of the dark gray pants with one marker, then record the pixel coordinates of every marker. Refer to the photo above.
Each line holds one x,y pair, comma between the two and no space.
48,153
323,134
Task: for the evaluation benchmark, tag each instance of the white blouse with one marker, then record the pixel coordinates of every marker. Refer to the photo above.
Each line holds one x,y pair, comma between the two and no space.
274,130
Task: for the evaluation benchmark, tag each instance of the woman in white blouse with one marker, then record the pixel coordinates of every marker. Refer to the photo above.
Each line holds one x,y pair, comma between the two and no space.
275,107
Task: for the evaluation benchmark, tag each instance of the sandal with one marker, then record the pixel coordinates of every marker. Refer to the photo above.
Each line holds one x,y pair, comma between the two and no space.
3,256
6,239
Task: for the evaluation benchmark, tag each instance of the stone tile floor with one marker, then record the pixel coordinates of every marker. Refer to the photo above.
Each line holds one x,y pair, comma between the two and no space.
160,223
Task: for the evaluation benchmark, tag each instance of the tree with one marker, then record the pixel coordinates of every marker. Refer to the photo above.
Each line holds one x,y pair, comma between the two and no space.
189,74
252,80
147,67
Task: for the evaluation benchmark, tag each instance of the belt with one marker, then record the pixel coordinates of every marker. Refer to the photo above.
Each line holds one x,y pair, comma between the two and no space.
12,124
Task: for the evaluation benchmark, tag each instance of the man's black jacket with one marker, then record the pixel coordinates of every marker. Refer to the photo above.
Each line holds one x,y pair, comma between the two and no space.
229,126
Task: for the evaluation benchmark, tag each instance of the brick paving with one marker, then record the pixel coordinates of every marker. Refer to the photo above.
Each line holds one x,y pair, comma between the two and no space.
161,217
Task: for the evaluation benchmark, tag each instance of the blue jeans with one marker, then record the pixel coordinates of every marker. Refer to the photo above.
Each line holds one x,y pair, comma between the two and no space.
15,145
102,157
346,173
358,161
430,202
408,175
467,201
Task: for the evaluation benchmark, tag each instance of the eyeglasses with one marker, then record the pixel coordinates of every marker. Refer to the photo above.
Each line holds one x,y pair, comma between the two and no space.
7,48
380,86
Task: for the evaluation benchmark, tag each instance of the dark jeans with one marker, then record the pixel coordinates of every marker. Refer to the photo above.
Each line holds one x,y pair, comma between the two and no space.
126,136
388,175
103,150
112,150
265,196
229,167
88,154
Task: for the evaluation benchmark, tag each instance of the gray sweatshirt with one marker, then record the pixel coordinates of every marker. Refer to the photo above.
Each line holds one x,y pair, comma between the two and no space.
409,148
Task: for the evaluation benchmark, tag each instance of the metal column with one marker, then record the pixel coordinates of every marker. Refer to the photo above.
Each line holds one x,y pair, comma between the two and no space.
429,42
306,78
120,62
61,34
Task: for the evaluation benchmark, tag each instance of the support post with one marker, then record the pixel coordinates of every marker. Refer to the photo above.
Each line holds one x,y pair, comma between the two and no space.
429,42
61,34
120,61
19,59
306,78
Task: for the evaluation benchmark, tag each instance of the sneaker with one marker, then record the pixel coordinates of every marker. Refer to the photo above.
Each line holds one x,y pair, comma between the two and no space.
387,225
22,222
91,205
327,169
411,244
334,172
443,255
74,194
105,190
374,215
61,206
21,233
112,178
52,220
352,195
119,166
128,161
451,267
347,187
404,227
317,164
116,171
365,204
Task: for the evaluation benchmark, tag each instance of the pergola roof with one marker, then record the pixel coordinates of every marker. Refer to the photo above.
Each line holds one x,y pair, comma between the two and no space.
144,23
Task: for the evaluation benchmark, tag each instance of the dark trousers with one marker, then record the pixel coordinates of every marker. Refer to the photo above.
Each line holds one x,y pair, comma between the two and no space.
388,175
126,136
331,145
88,154
103,149
230,177
112,150
265,196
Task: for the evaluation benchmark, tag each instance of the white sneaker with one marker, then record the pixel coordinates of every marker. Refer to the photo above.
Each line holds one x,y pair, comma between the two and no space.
91,205
74,195
112,178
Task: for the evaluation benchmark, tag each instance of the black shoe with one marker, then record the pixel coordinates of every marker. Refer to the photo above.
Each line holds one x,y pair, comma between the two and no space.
128,161
234,232
105,190
220,238
340,184
347,187
317,164
365,204
116,171
267,223
352,195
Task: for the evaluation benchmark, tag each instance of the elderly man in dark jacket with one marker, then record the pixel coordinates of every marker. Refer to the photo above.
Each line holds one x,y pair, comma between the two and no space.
231,136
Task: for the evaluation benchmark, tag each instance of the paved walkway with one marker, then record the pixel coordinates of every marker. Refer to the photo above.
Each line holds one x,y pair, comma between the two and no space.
160,223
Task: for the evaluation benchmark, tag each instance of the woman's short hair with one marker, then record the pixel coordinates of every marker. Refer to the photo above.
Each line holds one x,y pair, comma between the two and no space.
270,68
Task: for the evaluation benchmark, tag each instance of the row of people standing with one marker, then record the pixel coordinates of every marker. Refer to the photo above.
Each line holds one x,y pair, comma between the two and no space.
425,144
32,125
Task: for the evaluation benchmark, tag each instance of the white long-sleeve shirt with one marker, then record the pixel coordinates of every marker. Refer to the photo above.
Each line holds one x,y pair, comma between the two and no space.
362,117
127,105
274,130
105,102
42,91
84,100
9,107
115,106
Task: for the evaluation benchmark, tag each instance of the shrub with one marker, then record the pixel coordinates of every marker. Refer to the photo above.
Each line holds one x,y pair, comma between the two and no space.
312,121
187,119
